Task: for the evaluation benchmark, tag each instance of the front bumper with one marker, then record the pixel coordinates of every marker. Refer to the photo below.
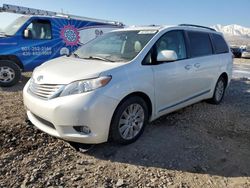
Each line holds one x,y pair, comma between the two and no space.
58,116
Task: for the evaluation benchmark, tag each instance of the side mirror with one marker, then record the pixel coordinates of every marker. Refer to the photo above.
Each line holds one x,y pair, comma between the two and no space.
166,56
27,33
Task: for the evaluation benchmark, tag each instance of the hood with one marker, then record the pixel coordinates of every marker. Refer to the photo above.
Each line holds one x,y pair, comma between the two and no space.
2,35
7,40
65,70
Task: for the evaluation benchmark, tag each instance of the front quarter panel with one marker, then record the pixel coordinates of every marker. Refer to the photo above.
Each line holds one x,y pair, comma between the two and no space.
128,79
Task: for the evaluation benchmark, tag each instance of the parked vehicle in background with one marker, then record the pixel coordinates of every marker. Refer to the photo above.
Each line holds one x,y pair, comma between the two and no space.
43,35
237,51
111,87
246,53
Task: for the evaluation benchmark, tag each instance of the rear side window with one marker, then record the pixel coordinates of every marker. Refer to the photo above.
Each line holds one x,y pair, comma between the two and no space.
200,44
220,44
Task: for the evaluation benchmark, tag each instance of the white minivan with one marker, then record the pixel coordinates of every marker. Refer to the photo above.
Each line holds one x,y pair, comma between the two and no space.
110,88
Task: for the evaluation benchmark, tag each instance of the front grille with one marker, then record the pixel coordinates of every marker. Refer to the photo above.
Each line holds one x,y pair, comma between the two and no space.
45,91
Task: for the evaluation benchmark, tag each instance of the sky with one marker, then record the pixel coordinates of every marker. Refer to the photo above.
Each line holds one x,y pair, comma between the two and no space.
146,12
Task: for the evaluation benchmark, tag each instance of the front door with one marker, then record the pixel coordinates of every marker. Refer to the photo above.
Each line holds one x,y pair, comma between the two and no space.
36,46
174,81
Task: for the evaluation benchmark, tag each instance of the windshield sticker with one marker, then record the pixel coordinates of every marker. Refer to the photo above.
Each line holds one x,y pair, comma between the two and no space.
147,32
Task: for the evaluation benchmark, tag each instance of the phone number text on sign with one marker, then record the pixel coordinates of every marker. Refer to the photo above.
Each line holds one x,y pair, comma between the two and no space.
28,51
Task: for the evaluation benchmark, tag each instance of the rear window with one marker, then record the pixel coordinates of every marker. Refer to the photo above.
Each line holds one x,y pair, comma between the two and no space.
200,44
220,44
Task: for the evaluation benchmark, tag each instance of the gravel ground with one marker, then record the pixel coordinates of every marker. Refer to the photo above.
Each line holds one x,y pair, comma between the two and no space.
200,146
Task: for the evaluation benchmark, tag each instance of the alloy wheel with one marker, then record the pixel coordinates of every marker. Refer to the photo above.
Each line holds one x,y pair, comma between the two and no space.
131,121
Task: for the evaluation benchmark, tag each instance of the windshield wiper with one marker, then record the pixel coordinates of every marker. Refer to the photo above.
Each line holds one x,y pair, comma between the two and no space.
4,34
76,55
99,58
92,57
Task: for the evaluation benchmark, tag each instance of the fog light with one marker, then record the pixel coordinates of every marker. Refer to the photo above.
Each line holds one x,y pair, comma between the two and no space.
82,129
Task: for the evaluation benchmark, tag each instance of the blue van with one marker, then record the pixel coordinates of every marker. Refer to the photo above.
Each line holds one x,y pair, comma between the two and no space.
40,36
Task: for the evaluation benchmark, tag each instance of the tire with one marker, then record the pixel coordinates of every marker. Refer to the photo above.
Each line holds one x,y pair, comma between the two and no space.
219,91
129,120
238,55
10,73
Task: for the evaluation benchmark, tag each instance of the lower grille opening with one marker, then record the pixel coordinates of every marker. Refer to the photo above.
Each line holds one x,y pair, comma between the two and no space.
45,122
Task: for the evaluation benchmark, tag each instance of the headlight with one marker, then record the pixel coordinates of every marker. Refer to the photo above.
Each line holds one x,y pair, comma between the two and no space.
85,85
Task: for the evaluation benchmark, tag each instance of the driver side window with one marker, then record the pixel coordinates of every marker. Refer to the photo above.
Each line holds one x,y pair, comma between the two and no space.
39,29
173,40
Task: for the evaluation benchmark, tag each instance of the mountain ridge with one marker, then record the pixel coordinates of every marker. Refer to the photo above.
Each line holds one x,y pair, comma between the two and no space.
233,30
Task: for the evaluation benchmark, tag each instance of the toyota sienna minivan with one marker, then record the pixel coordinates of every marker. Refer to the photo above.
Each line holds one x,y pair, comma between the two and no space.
112,87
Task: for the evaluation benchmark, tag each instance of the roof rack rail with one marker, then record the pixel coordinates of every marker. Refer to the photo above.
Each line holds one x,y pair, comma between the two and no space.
199,26
32,11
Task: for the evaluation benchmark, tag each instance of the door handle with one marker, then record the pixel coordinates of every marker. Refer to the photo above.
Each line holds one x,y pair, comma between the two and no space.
188,67
197,65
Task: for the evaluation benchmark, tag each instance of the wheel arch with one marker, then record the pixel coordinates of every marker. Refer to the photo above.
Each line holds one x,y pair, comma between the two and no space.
143,95
13,58
225,76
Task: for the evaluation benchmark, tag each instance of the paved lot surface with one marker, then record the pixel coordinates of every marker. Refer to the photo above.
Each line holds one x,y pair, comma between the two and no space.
200,146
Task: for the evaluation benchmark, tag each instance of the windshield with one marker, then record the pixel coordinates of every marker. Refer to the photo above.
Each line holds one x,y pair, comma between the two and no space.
14,26
119,46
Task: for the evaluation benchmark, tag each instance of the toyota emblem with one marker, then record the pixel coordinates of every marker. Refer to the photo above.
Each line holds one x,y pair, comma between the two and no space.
39,78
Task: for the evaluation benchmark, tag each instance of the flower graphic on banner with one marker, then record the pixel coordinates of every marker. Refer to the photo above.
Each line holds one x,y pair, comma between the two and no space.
70,35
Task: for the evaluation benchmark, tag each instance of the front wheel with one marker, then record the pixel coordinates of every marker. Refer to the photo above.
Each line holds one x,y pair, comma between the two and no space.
219,91
10,73
129,120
